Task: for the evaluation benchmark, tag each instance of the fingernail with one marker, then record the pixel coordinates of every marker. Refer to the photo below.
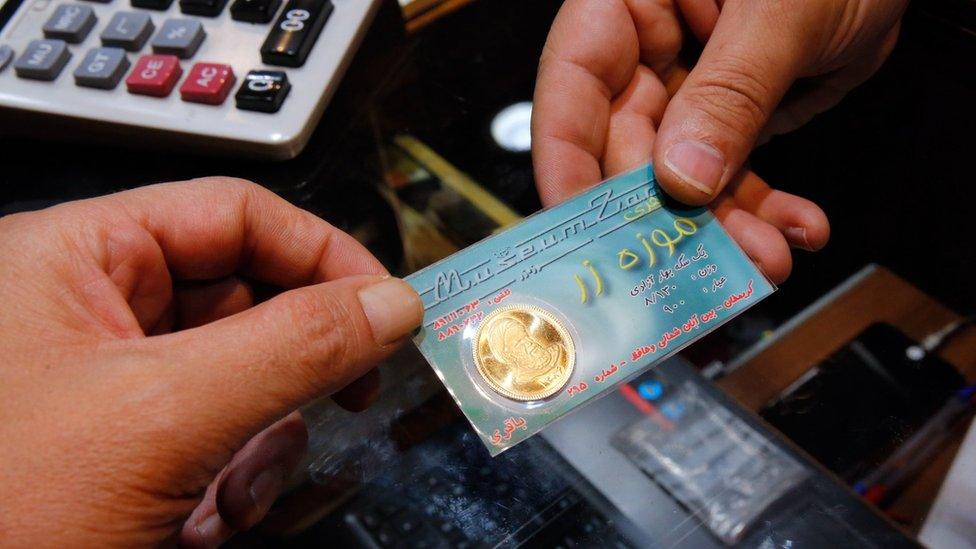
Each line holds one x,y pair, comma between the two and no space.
697,164
393,309
797,236
211,530
265,488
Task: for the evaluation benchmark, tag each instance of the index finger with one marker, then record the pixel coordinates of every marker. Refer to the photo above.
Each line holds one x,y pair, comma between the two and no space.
212,227
589,57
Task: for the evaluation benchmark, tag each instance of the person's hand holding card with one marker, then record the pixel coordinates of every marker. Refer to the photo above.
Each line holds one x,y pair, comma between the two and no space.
612,94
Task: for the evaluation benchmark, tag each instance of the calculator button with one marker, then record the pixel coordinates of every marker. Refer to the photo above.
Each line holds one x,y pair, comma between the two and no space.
295,31
208,83
42,60
127,30
70,22
154,75
152,4
102,68
254,11
263,91
206,8
6,54
179,37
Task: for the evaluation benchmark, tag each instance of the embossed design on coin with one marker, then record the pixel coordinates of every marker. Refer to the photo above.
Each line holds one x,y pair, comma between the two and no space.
523,352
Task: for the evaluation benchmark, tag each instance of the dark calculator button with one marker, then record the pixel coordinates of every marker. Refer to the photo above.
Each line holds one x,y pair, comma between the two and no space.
295,32
179,37
70,22
152,4
42,60
102,68
263,91
254,11
206,8
128,30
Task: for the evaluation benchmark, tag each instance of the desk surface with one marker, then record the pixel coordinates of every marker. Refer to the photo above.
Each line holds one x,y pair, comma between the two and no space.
873,295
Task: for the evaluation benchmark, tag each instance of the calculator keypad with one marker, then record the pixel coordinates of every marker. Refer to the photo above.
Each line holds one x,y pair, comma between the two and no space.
102,68
295,32
70,22
179,37
154,75
42,60
128,30
295,29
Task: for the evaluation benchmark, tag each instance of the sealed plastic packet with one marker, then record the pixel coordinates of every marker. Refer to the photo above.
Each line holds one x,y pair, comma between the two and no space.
529,324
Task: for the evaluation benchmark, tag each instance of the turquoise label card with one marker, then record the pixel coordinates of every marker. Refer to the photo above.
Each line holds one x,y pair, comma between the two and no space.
603,286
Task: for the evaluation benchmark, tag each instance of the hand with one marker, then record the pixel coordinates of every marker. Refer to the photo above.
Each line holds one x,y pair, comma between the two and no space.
612,94
135,363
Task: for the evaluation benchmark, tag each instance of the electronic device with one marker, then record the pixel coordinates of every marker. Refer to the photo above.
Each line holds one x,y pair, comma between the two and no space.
246,76
425,480
448,493
857,406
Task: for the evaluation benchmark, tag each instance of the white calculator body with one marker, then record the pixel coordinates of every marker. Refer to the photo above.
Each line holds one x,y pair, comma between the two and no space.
246,76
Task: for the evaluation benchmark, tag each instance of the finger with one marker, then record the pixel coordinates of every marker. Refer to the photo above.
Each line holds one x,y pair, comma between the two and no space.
198,303
658,31
712,123
256,476
801,221
361,393
245,371
589,57
204,528
761,241
248,485
701,16
213,227
633,117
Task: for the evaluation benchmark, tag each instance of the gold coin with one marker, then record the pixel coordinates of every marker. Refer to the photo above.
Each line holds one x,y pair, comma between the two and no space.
523,352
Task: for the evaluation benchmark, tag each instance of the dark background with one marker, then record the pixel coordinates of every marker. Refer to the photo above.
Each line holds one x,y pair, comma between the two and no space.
892,165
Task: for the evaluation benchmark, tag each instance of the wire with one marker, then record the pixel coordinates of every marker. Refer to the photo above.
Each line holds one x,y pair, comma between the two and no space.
936,340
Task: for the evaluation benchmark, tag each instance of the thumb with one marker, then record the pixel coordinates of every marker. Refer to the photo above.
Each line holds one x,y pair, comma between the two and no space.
248,370
712,122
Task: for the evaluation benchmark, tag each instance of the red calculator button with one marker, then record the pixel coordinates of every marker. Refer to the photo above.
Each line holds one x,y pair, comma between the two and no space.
154,75
208,83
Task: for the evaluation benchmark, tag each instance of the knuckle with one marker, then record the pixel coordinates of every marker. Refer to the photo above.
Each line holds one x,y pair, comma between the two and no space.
733,95
234,185
325,327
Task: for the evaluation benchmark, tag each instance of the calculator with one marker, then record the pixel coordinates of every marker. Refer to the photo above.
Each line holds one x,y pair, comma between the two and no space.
246,76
